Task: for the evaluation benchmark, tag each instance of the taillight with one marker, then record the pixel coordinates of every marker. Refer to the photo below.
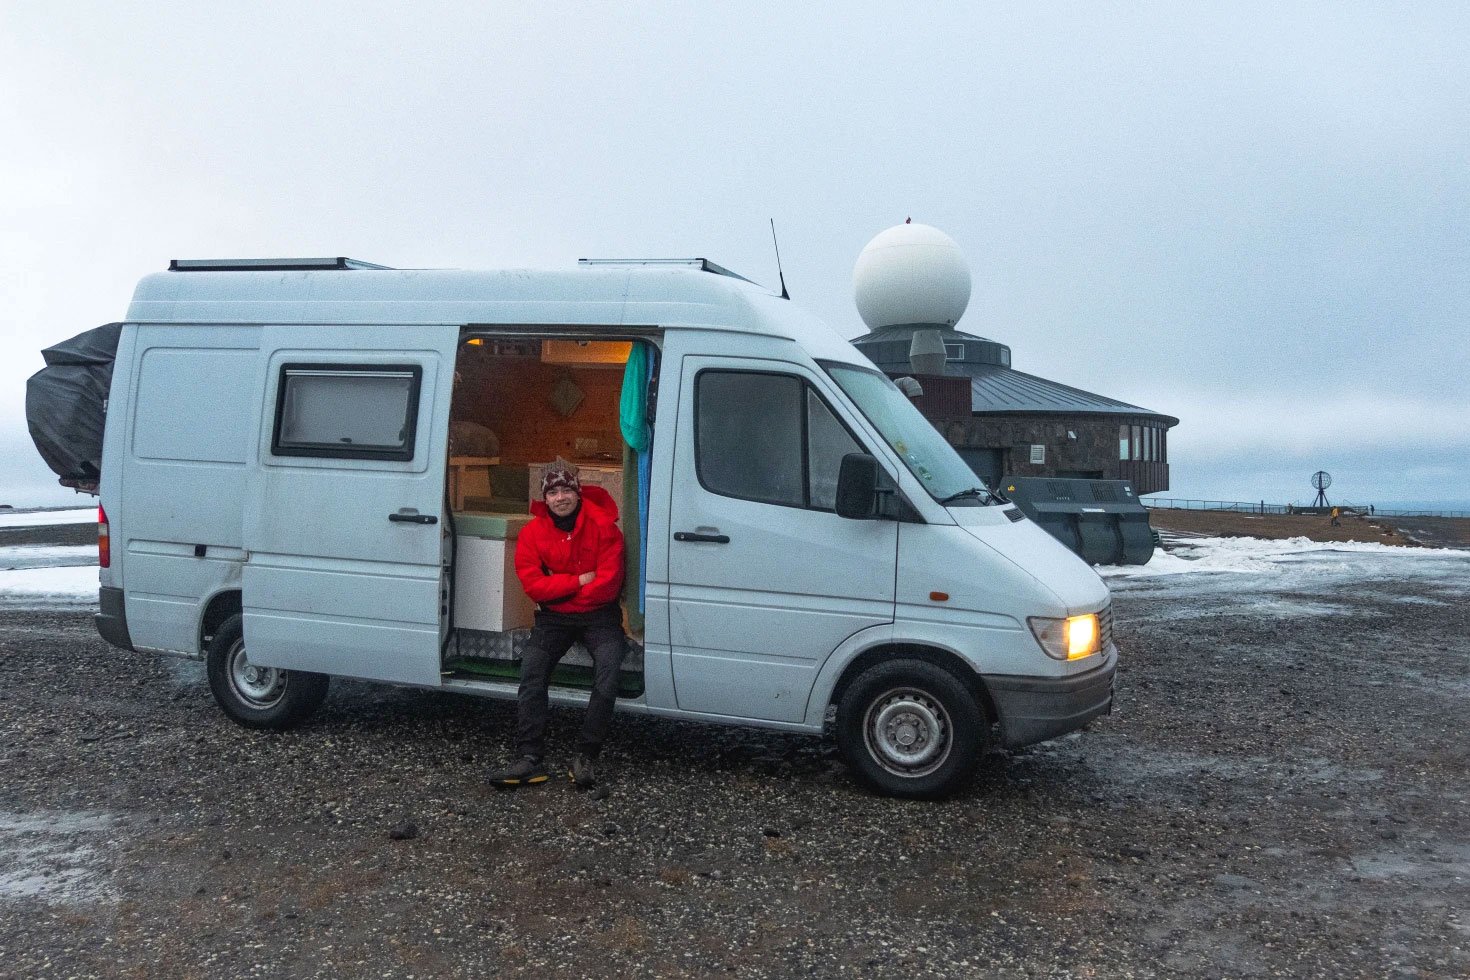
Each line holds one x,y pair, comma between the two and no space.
104,540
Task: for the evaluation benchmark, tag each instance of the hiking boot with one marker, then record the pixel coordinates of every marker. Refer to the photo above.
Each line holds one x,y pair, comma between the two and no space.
583,773
525,771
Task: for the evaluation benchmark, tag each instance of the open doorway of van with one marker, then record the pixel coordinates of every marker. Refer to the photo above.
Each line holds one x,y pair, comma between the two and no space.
519,403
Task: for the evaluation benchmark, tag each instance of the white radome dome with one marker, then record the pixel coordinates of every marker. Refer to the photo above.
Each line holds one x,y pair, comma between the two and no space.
911,274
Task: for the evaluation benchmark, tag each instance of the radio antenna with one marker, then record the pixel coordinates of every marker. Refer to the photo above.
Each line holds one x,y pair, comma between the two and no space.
784,293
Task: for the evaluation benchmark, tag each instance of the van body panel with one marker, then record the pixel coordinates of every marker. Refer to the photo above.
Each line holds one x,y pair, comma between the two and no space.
986,601
188,438
601,298
658,667
114,455
339,645
332,584
835,665
168,589
1026,545
752,618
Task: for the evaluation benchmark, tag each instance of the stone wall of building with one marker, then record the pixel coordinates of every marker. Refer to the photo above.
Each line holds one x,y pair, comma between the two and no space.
1074,447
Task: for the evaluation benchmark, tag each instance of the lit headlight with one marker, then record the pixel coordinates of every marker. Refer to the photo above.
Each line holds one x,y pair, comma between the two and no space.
1067,639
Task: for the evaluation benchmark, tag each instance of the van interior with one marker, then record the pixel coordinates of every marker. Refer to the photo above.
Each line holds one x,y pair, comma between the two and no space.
519,403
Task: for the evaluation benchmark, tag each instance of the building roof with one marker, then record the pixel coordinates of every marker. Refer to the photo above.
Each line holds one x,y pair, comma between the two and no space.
995,389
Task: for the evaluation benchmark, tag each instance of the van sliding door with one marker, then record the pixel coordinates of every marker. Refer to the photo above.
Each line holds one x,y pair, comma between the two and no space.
343,527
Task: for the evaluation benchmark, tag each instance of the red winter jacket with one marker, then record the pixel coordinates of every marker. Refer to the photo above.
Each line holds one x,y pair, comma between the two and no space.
549,561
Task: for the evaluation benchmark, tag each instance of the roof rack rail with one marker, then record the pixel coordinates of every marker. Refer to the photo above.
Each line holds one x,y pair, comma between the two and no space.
703,265
269,265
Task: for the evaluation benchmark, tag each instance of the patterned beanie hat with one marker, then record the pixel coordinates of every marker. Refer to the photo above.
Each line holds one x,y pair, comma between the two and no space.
560,474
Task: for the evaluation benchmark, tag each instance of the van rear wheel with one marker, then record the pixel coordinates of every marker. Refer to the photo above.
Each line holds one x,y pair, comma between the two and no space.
257,696
910,728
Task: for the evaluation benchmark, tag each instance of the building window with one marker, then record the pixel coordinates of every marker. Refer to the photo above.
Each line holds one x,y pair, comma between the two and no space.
769,438
1122,442
954,352
1137,442
347,411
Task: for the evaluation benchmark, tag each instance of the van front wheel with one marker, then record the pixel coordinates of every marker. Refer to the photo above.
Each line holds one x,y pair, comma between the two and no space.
256,696
910,728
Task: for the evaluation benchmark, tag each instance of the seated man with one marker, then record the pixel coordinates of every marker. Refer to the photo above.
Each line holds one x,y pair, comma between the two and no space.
569,559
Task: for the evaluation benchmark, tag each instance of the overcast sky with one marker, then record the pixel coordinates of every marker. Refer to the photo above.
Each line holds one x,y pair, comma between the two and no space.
1255,217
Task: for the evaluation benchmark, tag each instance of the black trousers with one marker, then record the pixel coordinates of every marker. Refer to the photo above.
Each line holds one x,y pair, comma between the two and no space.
601,632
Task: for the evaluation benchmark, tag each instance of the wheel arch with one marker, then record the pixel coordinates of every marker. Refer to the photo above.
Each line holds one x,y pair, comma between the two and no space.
220,607
938,656
894,650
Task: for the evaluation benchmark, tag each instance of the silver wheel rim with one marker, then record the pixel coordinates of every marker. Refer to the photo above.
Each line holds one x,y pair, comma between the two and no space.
908,732
260,687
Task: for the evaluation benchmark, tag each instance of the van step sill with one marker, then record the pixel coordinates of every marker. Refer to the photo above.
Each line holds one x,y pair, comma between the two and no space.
630,684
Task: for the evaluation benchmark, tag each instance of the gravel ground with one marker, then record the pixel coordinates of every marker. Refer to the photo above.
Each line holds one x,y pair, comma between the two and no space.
1281,792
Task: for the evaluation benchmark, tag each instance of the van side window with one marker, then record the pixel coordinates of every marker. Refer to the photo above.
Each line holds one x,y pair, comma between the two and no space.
347,411
767,437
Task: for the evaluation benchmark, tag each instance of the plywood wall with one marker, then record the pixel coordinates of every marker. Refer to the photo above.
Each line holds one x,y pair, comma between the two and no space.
512,397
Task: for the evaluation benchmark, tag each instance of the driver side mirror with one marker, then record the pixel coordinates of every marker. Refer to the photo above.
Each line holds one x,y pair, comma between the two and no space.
857,487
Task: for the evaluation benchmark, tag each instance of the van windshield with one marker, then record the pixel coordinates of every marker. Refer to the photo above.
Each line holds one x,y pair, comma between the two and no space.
923,450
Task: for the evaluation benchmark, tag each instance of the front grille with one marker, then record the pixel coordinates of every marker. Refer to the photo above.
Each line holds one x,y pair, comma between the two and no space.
1105,626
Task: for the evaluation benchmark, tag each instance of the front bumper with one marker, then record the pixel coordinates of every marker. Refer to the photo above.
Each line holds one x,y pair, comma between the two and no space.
1034,709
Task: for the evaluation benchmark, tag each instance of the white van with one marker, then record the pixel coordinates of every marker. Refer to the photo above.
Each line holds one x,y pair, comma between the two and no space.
318,467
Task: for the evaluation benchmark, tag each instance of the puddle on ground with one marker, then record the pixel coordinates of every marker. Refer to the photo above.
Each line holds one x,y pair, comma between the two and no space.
1132,765
185,673
54,856
1440,863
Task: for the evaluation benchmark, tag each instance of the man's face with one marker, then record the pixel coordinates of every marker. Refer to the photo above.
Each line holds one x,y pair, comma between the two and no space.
561,501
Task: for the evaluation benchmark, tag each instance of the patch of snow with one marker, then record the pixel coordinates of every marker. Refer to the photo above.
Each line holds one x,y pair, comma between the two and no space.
1257,555
45,556
54,857
56,585
48,518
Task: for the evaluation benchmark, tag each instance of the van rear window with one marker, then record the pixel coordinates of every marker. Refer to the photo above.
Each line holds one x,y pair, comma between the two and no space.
360,411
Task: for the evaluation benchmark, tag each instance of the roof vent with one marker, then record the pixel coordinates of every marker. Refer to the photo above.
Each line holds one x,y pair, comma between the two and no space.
340,262
703,265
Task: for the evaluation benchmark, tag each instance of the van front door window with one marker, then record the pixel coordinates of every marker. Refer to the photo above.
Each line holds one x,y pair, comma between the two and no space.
923,450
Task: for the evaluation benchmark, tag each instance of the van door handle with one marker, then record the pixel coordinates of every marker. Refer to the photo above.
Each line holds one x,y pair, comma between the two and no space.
413,518
696,536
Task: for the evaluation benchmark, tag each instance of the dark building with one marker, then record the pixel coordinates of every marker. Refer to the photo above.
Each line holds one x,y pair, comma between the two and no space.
1008,423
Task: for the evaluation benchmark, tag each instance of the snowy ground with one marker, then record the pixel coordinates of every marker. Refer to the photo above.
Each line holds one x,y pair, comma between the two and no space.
35,576
48,518
1289,559
1197,577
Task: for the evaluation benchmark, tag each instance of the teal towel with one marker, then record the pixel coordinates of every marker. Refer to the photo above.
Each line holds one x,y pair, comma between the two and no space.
633,408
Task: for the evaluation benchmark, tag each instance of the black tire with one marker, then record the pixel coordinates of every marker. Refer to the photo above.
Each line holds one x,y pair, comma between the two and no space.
259,697
911,729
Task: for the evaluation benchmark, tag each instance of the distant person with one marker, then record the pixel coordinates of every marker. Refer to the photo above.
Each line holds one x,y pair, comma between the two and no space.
1370,510
570,562
1335,521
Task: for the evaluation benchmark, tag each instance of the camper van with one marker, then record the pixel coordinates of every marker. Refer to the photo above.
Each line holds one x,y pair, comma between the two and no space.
318,467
